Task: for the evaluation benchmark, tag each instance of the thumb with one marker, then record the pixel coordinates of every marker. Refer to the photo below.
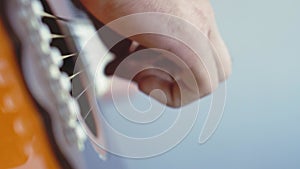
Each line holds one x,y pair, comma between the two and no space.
164,91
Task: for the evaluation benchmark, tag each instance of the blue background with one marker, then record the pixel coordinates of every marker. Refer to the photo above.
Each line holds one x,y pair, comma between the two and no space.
261,125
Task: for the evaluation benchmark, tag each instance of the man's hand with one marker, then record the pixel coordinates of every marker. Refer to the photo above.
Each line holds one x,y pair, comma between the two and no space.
208,67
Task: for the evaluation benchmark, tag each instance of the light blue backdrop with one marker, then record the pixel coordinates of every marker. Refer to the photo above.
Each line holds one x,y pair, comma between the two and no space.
261,125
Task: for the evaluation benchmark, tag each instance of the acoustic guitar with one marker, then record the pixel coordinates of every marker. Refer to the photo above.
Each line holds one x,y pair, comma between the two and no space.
44,117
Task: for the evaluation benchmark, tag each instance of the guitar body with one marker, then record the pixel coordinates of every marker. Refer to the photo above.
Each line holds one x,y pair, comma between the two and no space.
23,139
39,125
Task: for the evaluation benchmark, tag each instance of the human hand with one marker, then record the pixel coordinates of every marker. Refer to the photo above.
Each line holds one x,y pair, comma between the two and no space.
182,83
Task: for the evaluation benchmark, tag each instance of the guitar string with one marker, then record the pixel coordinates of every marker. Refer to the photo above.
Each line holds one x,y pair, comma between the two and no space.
88,113
48,15
56,36
75,74
83,91
69,55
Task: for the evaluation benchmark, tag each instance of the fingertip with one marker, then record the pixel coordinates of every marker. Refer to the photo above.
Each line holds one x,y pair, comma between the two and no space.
169,92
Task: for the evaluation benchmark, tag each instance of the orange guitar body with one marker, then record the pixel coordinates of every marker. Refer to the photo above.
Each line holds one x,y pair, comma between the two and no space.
23,140
40,113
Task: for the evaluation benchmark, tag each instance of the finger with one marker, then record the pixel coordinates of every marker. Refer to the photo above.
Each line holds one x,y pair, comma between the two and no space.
170,94
200,71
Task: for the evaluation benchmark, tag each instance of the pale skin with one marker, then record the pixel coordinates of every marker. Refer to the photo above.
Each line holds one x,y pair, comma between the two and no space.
197,12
